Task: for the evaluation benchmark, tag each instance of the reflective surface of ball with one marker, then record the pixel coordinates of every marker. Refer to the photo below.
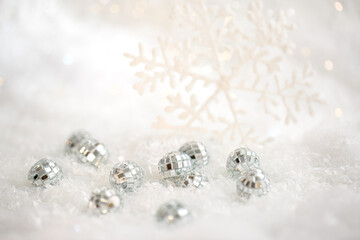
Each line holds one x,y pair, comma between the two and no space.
72,143
104,200
45,172
239,159
172,212
127,176
195,180
253,182
91,151
197,152
174,164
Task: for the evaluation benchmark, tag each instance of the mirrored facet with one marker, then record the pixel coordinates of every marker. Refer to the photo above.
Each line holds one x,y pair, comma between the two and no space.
253,182
45,172
86,149
194,179
127,176
174,164
104,200
74,140
91,151
197,153
241,159
172,212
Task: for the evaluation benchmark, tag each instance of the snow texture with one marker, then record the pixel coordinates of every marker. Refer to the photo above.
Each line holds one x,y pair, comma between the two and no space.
62,69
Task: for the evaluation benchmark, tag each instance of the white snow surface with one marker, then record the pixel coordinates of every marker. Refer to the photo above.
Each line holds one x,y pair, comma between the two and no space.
62,71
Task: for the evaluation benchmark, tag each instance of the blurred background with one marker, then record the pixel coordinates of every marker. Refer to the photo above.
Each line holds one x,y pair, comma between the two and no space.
64,61
267,75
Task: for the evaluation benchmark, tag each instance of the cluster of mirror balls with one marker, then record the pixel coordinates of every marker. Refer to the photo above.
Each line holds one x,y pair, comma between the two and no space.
179,168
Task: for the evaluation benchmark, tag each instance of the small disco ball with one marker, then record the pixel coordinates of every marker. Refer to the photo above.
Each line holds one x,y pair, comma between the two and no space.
174,164
253,182
74,140
172,212
104,200
45,172
239,159
194,179
197,152
127,176
91,151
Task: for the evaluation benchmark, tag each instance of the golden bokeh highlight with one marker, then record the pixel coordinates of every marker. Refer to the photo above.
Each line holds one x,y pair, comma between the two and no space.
338,113
115,8
338,6
95,8
233,95
227,20
305,52
225,56
329,65
1,81
139,9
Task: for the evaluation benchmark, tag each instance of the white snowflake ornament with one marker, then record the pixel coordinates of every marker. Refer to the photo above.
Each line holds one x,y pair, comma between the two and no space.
227,63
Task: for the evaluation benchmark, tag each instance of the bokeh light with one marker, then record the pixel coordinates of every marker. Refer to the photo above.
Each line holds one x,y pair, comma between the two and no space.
338,112
329,65
338,6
